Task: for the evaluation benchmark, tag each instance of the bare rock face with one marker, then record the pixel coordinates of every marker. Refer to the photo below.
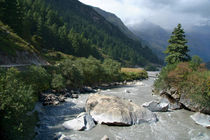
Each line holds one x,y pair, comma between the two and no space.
82,122
113,110
157,106
201,119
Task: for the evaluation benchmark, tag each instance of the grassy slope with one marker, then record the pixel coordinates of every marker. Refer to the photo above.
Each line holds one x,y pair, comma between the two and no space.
11,42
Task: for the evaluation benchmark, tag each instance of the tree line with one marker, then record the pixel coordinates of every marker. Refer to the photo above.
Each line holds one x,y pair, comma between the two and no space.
72,28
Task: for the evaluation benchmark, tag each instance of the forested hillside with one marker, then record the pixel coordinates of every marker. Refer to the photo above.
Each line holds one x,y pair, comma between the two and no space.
73,28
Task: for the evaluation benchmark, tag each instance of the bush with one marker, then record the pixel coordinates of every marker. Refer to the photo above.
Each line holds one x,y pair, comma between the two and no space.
188,78
195,62
130,74
58,82
91,70
37,77
160,83
112,70
71,74
16,98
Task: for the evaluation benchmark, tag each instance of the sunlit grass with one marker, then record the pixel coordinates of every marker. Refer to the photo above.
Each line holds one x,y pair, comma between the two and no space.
136,70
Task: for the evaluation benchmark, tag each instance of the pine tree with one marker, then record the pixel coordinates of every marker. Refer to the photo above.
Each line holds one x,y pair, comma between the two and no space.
12,14
177,49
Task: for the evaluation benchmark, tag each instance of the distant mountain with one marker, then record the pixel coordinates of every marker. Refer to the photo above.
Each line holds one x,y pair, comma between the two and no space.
112,18
199,41
157,37
154,35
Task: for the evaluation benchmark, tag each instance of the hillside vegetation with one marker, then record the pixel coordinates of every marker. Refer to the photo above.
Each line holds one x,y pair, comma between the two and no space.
189,77
11,42
73,28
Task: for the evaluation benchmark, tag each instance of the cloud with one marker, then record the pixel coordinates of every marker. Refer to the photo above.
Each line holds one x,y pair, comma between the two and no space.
166,13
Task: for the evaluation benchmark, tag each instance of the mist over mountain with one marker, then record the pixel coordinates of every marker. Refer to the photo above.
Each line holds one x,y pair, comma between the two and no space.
157,38
112,18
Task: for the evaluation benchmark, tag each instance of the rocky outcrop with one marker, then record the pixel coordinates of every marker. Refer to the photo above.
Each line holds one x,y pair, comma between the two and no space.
83,122
157,106
173,103
181,100
52,99
113,110
22,57
201,119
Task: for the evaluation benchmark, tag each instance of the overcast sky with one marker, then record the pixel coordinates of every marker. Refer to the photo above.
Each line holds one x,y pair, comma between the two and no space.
166,13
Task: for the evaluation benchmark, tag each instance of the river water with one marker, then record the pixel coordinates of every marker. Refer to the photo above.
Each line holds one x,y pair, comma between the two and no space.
173,125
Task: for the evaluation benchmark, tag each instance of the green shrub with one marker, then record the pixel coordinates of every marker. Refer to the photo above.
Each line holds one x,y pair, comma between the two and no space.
112,70
71,73
195,62
160,82
58,82
130,74
16,98
37,77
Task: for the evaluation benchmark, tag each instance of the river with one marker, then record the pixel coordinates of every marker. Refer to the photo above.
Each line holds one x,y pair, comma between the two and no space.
172,125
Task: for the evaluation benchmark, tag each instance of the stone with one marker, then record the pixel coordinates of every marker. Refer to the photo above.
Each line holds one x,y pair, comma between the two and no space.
139,83
127,91
157,106
201,119
75,96
55,102
67,94
112,110
105,137
61,98
61,137
82,122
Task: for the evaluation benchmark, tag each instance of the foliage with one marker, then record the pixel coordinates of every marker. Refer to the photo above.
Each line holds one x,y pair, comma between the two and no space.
16,98
57,81
37,77
112,70
129,74
192,81
195,62
177,49
72,28
160,83
70,72
11,42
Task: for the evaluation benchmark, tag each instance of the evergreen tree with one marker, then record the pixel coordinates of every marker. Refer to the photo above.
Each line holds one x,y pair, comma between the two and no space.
177,49
12,14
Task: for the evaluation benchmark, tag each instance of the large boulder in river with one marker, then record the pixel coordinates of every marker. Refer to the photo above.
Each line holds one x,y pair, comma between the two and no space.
201,119
113,110
82,122
157,106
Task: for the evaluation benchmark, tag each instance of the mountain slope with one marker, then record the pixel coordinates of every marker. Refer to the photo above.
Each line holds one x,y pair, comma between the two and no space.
112,18
198,38
76,29
154,35
15,50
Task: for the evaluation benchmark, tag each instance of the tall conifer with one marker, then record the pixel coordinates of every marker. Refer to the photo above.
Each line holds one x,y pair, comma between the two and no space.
177,49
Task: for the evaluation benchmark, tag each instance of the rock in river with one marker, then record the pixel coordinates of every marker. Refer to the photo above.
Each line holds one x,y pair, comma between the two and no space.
156,106
112,110
82,122
201,119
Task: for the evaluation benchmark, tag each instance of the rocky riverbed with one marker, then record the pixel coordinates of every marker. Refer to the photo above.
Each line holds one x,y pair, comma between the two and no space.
172,124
